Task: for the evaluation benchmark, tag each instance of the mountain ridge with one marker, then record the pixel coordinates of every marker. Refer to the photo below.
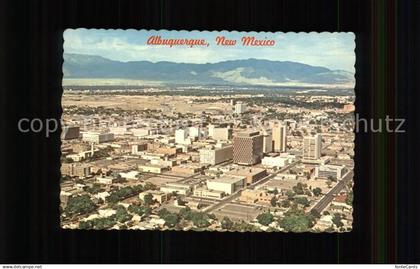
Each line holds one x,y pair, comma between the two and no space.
231,72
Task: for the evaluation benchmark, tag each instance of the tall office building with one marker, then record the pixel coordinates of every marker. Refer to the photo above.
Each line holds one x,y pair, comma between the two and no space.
222,133
279,138
194,132
240,108
247,148
211,129
267,141
216,155
180,136
312,146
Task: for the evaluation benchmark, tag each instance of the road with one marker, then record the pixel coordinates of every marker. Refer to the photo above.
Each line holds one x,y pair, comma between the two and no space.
235,195
327,199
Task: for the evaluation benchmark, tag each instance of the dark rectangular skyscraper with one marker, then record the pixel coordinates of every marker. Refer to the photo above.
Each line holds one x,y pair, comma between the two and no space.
247,148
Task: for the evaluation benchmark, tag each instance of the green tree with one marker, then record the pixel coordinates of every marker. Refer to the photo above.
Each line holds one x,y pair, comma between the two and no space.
285,203
163,213
171,220
349,199
273,201
295,223
122,215
149,186
86,225
148,199
199,219
104,223
201,223
337,220
265,218
244,227
298,189
94,189
290,194
302,200
185,213
317,191
79,205
226,223
139,210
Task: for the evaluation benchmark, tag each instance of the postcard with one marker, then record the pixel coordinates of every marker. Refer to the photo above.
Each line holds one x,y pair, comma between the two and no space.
207,131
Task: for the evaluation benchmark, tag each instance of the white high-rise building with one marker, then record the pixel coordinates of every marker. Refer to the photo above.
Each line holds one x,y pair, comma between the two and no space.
280,138
312,146
267,141
240,108
211,129
194,132
180,136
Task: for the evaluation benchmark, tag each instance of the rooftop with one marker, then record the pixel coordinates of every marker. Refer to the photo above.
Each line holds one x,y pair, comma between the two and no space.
225,179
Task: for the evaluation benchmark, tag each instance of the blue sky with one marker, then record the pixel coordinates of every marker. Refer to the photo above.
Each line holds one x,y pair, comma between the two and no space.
331,50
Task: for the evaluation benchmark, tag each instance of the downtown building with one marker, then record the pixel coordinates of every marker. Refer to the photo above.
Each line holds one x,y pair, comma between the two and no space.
267,141
220,133
247,148
219,154
312,146
70,132
330,171
95,137
279,138
240,108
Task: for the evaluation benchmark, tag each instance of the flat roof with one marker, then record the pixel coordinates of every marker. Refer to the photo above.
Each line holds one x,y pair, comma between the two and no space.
229,180
246,171
248,133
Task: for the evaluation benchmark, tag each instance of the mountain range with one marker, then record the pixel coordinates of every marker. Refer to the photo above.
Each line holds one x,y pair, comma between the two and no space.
233,72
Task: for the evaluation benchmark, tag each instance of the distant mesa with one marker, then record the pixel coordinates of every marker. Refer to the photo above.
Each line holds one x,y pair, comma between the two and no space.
235,72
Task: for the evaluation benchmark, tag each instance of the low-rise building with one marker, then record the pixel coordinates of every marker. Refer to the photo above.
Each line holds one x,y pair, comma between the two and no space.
256,196
227,185
283,176
251,174
189,169
131,175
76,170
329,170
159,196
135,149
167,163
170,151
216,155
106,179
277,161
179,188
152,168
206,193
70,132
95,137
